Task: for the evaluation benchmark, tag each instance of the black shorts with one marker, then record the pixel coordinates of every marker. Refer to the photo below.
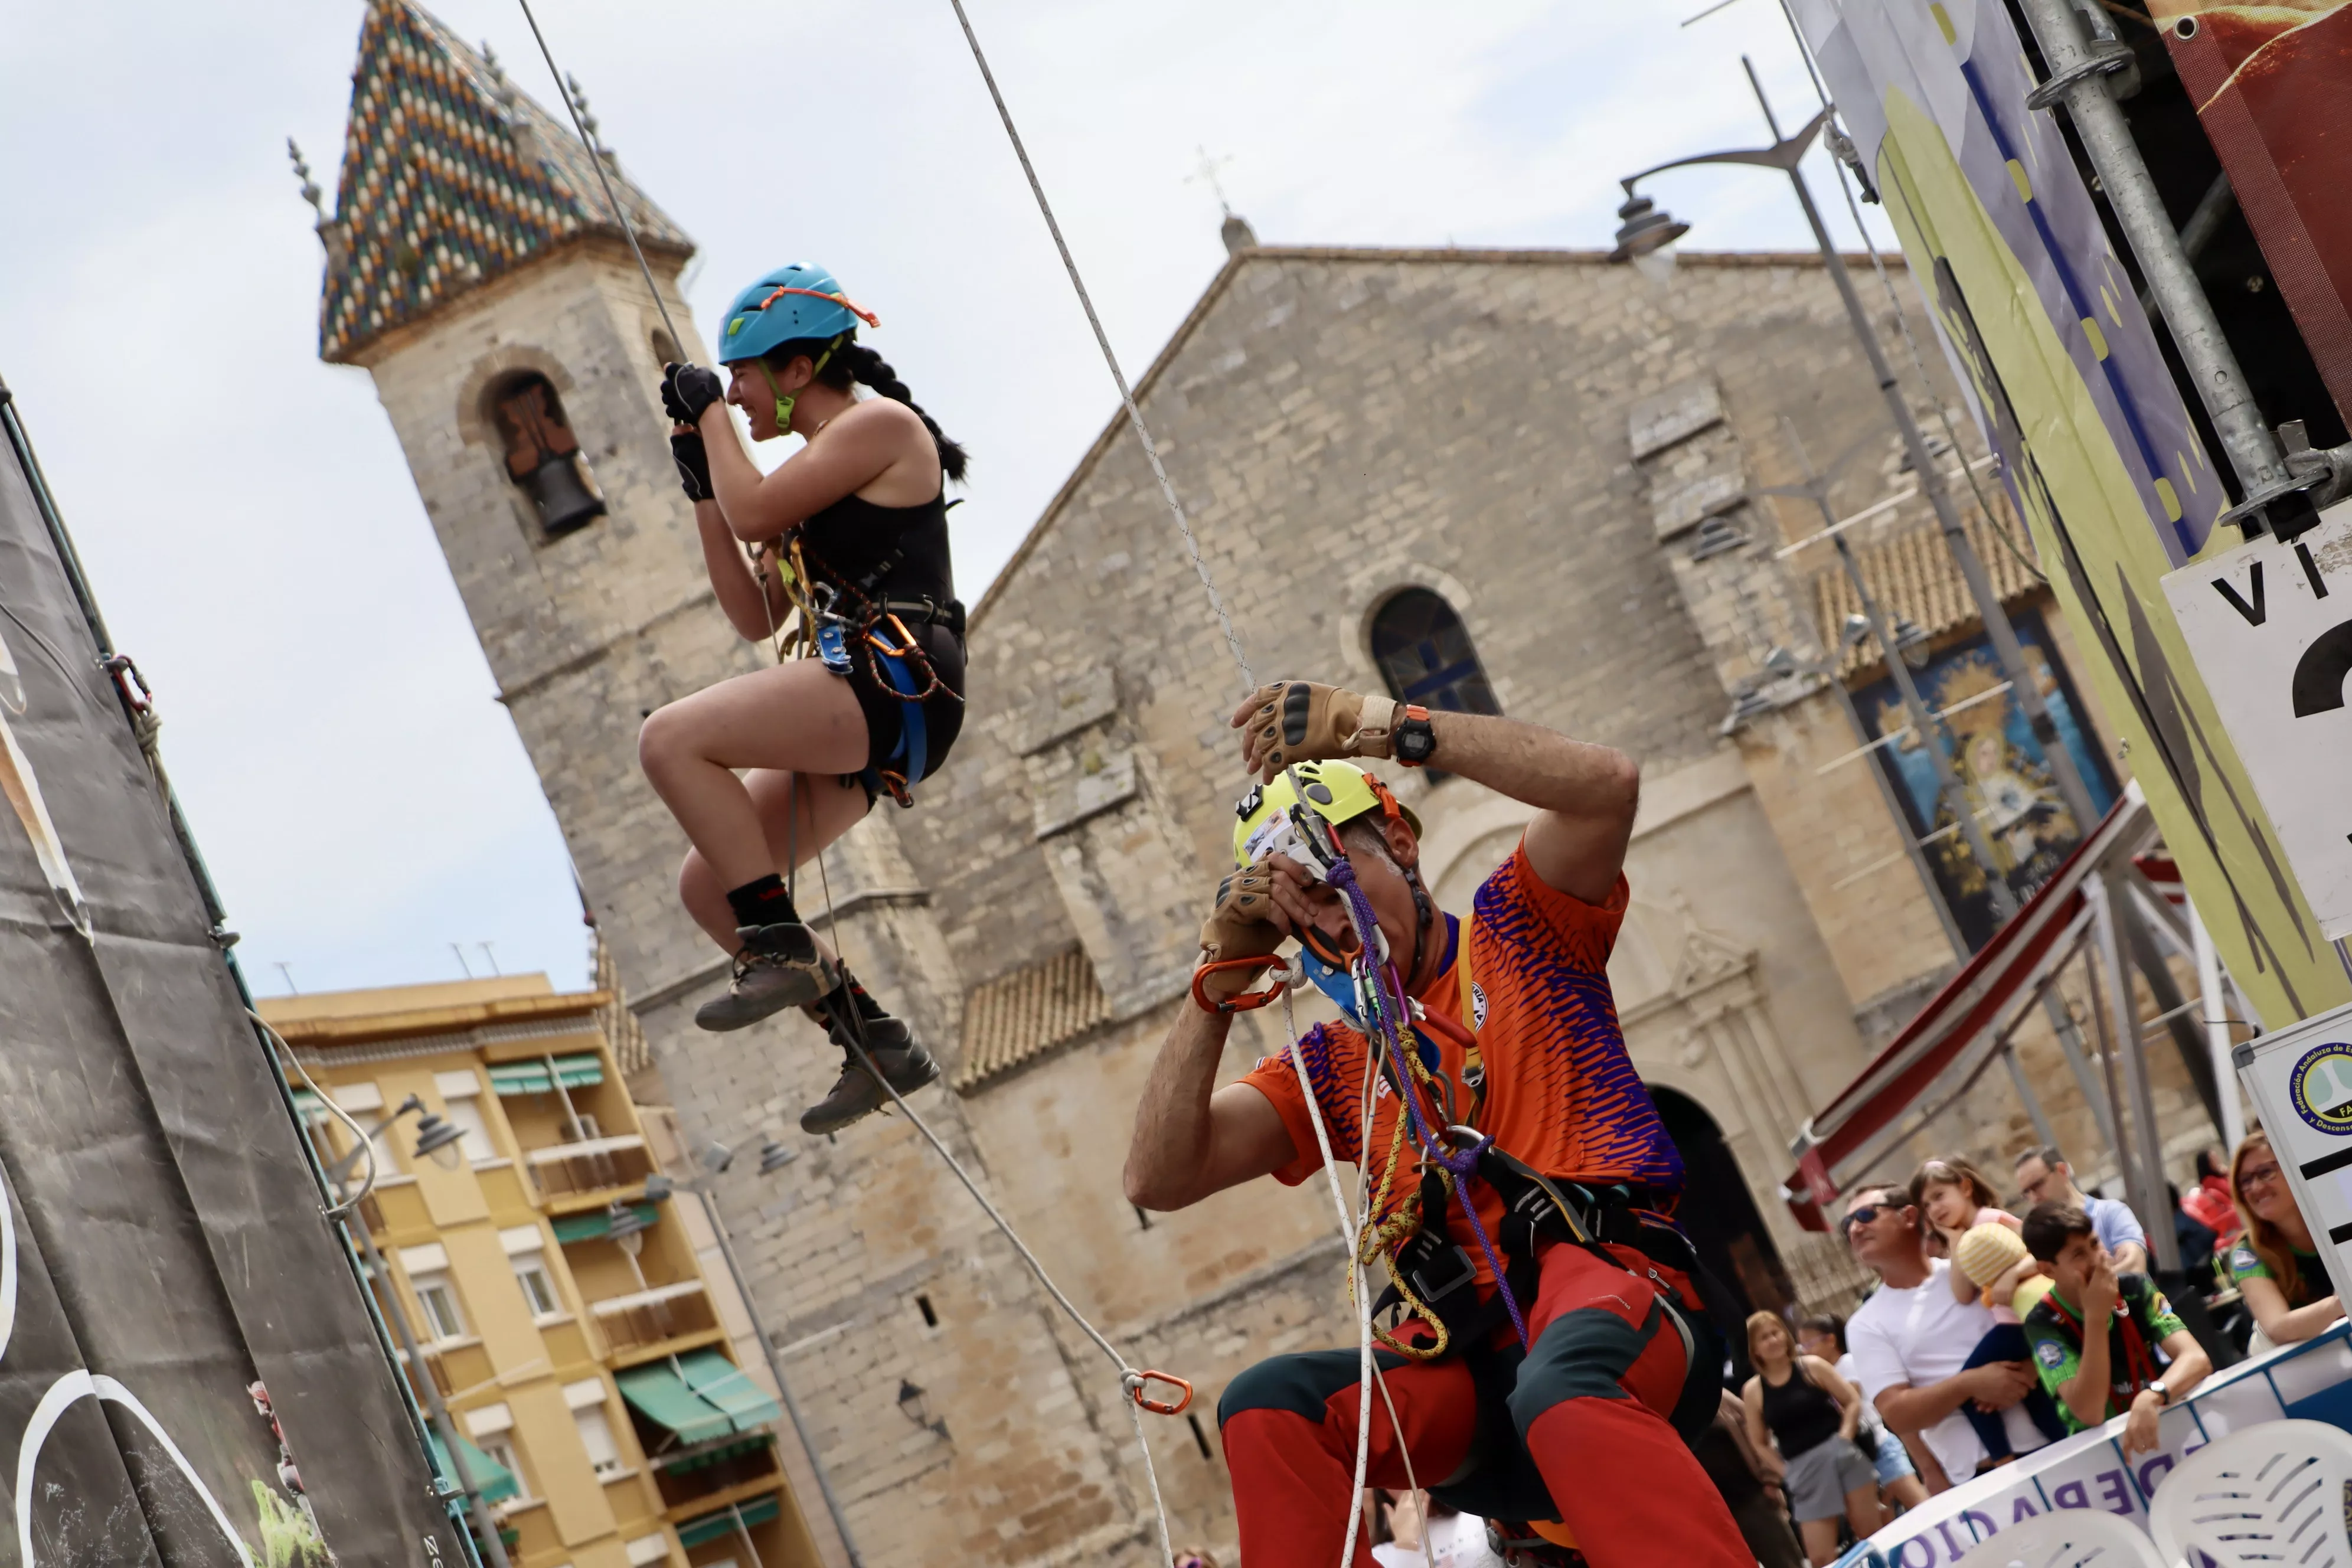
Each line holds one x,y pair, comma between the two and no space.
885,711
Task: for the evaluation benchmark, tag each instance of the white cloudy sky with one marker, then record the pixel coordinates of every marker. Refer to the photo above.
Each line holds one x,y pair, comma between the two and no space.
244,509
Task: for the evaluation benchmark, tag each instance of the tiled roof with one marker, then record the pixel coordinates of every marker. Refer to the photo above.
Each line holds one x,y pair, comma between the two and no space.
1913,575
450,177
1028,1012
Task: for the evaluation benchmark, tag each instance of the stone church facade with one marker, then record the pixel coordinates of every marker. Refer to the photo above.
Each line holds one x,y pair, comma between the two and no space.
1564,458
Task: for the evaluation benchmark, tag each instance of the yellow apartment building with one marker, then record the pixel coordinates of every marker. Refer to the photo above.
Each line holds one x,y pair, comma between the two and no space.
594,1378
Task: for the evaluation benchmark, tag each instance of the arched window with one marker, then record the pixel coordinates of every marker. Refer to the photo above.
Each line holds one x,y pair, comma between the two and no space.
1426,656
666,349
543,454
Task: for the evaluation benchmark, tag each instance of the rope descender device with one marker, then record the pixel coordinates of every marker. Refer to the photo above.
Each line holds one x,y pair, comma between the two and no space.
1246,1000
1136,1381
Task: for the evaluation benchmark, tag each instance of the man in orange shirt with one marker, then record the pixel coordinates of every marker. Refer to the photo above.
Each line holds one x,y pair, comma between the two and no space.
1566,1391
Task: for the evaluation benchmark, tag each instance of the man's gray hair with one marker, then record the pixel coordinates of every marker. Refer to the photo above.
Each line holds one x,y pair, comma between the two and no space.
2045,1153
1363,836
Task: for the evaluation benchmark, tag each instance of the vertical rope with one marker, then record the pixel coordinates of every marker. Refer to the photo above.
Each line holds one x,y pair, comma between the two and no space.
596,160
1102,340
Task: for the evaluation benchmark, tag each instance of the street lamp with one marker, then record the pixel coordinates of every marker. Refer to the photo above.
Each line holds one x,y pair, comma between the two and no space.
915,1406
438,1140
1785,154
1646,239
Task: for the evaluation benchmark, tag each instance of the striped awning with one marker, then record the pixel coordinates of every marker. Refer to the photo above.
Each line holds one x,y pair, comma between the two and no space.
492,1479
581,1070
700,1395
711,1526
593,1223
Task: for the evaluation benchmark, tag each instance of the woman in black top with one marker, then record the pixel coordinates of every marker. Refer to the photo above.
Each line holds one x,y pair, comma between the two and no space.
1811,1415
853,527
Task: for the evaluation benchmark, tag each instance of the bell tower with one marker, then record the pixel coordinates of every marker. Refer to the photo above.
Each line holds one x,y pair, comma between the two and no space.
473,271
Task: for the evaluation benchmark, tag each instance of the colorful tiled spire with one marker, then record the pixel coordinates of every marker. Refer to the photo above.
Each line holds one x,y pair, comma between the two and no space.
450,177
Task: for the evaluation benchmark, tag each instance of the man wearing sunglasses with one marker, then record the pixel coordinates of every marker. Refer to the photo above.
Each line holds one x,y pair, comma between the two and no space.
1912,1339
1576,1437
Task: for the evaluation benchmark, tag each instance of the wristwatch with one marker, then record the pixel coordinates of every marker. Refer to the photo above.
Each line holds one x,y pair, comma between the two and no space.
2163,1395
1415,738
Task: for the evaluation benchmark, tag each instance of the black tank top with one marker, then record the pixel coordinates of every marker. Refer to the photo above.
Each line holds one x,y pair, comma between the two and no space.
1800,1414
881,552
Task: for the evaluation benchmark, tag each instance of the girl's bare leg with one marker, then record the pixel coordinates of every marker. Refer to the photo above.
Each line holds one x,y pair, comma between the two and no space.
800,814
797,718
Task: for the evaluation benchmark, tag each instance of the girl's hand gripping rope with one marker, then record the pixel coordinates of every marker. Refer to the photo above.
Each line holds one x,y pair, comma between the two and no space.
688,391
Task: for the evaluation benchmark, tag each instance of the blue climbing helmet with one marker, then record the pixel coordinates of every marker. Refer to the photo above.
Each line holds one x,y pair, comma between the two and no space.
792,303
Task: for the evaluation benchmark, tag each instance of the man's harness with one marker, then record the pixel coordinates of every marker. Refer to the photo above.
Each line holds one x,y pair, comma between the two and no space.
1431,1274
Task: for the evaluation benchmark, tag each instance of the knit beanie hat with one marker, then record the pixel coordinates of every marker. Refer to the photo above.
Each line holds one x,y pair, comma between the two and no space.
1987,1250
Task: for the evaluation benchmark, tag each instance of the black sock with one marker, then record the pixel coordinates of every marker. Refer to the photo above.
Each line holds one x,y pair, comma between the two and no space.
849,994
762,903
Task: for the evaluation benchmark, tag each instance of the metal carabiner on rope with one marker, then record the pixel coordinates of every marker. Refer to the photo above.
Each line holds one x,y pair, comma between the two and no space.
1136,1381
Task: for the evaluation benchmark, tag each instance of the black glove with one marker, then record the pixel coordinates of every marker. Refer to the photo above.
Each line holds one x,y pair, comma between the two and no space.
686,449
686,390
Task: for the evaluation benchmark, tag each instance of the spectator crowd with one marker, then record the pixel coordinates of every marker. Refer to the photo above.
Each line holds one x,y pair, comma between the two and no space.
1995,1329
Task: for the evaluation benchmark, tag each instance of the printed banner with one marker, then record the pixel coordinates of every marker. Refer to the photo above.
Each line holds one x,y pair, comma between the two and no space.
2097,446
2028,827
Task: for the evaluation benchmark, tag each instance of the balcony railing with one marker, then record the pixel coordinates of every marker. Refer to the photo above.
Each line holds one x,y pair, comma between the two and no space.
649,1317
589,1167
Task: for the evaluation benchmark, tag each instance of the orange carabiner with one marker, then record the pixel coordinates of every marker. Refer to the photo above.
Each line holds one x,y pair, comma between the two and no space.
905,638
1161,1406
1245,1001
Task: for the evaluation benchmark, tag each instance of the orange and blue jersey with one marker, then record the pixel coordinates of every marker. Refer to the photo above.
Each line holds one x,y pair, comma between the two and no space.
1562,1093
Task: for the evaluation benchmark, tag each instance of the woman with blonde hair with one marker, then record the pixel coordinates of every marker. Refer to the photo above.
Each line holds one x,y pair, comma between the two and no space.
1813,1415
2276,1264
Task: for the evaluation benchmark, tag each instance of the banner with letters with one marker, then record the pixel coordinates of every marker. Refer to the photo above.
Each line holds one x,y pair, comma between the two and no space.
2098,450
2307,1382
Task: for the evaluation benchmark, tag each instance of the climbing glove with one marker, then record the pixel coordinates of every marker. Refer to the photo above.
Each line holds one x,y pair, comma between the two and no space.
1301,721
693,460
1239,926
688,389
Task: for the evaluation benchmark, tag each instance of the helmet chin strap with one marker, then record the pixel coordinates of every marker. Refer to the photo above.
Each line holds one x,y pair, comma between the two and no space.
784,400
1425,917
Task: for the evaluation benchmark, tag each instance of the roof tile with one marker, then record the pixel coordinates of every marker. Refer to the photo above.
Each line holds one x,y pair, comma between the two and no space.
450,177
1024,1015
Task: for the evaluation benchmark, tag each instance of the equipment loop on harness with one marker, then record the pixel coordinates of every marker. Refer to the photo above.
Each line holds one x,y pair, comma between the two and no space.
1136,1381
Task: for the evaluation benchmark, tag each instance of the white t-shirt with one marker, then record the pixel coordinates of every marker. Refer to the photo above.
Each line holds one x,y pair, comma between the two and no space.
1458,1541
1922,1336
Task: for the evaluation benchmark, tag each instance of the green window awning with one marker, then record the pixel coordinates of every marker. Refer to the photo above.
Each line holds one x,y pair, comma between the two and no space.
492,1479
711,1526
581,1070
704,1397
594,1222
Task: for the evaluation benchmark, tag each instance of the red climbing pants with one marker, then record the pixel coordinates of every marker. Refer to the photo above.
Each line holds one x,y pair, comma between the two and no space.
1591,1401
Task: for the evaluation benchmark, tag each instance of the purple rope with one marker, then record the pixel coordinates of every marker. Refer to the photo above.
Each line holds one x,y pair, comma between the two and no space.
1342,876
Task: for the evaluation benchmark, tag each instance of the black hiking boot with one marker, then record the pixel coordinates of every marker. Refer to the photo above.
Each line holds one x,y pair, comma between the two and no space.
777,967
901,1059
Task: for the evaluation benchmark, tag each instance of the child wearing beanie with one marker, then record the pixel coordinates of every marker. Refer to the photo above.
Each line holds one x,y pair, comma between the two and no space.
1994,1257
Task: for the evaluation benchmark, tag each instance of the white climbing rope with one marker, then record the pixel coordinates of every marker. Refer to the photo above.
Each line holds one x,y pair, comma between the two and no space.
1102,340
596,159
1131,1381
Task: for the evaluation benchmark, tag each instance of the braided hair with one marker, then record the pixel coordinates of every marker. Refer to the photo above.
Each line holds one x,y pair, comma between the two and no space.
854,362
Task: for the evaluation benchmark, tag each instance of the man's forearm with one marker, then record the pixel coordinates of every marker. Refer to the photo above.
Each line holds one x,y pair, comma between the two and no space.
2085,1393
1535,767
1172,1131
1916,1409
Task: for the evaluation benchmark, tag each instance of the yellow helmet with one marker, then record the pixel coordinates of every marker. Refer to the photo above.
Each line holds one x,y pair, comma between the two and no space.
1336,792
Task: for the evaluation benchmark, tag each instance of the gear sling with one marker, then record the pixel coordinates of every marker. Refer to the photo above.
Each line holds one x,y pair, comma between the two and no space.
1435,1275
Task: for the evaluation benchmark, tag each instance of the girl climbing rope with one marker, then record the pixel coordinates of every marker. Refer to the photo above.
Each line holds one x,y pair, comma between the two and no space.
852,534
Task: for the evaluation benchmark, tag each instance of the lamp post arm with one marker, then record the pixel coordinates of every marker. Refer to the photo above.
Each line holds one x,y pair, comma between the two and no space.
1784,154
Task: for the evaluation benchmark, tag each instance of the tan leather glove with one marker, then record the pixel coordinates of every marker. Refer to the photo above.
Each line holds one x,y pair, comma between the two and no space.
1239,926
1302,721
